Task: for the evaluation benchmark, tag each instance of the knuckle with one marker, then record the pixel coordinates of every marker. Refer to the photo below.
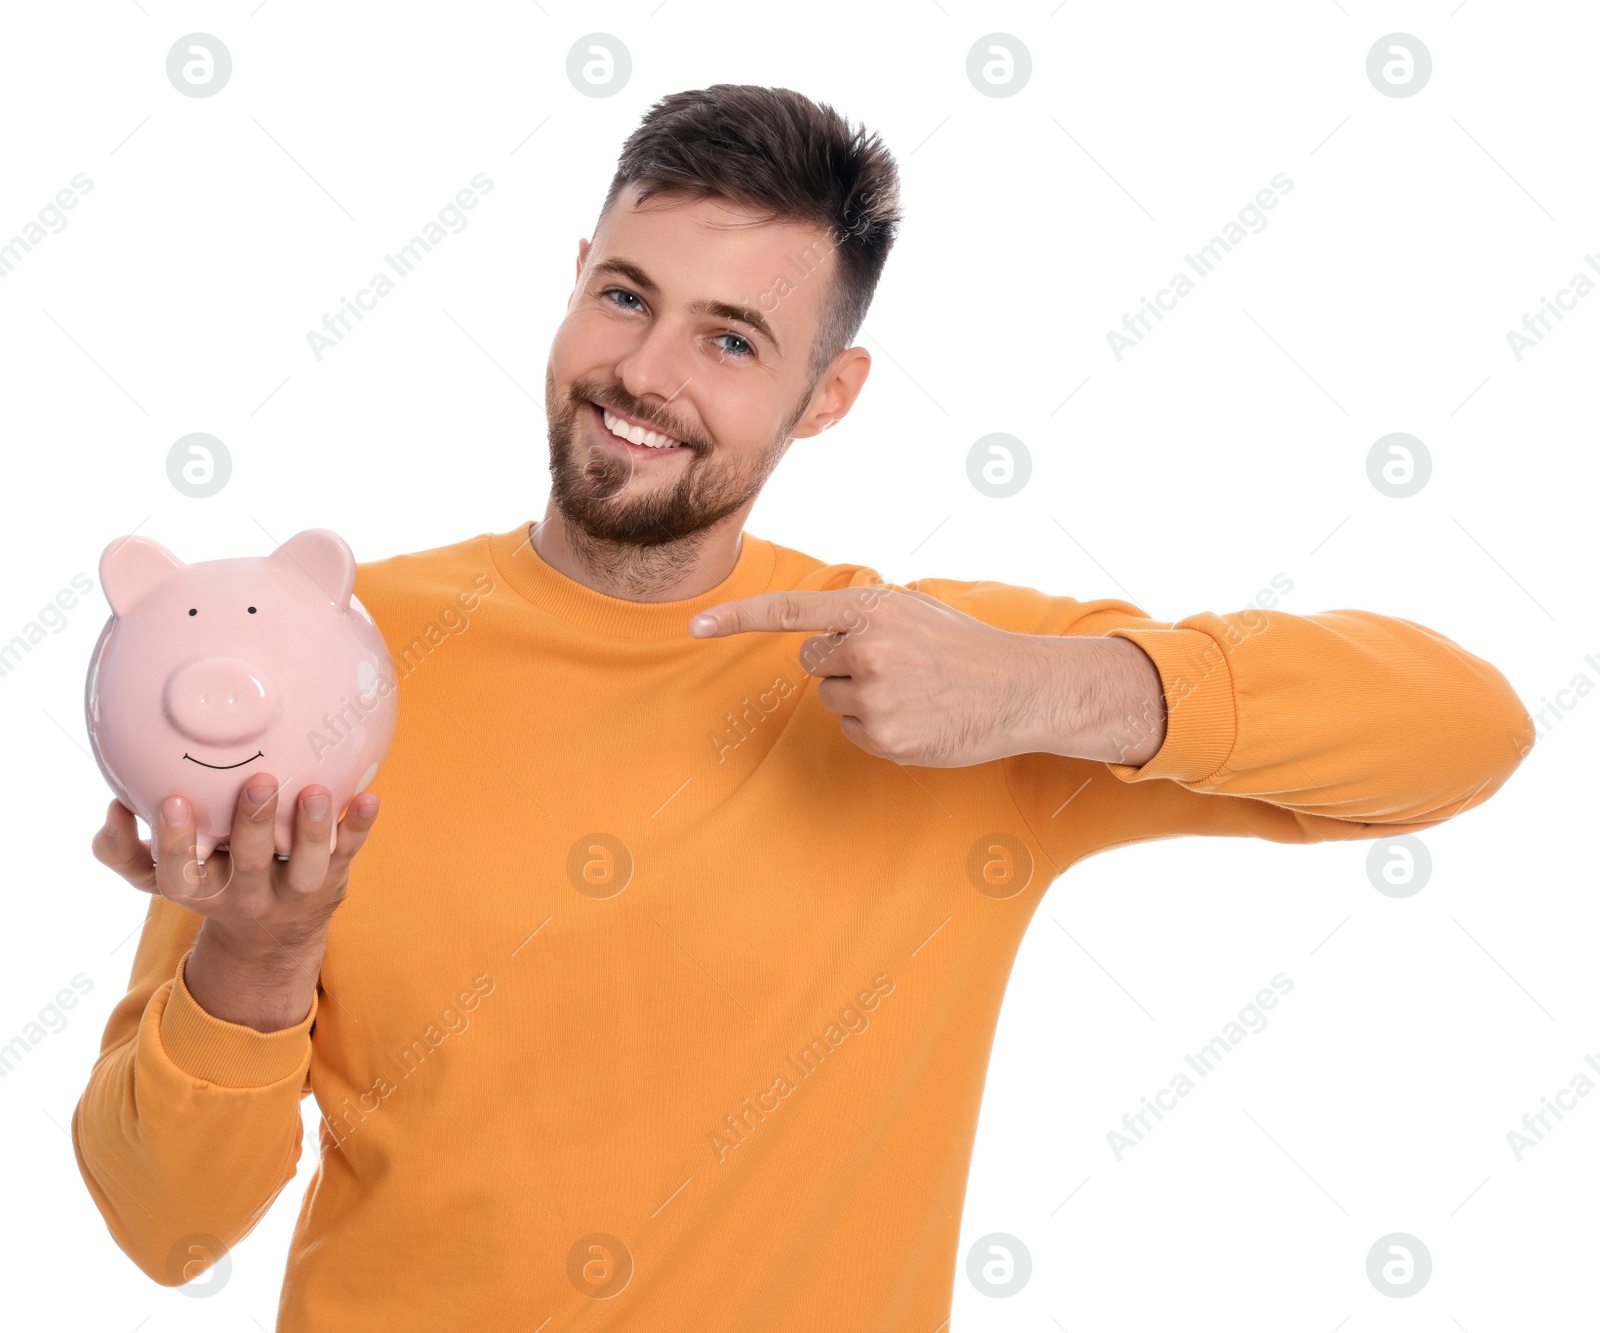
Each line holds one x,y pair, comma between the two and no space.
815,651
877,701
892,738
251,846
788,609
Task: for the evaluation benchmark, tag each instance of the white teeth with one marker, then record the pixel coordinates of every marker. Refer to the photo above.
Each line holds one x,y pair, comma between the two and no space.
637,434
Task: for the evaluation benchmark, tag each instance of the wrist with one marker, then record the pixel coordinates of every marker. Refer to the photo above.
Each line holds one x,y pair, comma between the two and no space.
258,983
252,945
1051,716
1133,723
1099,697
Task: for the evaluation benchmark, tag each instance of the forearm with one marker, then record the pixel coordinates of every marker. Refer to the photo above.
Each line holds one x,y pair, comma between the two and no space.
250,978
1096,698
189,1123
1348,715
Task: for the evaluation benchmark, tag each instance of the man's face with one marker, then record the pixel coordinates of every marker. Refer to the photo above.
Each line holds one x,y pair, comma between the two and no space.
679,324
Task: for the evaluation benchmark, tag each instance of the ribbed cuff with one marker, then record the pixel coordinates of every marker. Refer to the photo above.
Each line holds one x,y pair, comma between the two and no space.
230,1055
1201,726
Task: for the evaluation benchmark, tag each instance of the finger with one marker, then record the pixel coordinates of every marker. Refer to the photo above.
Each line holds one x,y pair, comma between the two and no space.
829,609
857,733
179,874
827,654
841,695
353,829
119,846
307,870
250,838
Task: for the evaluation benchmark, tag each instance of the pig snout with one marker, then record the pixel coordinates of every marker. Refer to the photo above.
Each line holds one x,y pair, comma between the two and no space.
221,700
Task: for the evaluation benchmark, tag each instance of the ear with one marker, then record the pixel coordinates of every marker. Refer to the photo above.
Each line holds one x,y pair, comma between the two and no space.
322,557
131,567
835,392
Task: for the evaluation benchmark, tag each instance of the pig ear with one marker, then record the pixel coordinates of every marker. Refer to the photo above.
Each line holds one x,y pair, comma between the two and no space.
323,557
131,567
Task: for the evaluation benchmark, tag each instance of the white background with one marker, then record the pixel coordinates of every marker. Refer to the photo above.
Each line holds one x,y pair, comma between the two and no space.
1223,450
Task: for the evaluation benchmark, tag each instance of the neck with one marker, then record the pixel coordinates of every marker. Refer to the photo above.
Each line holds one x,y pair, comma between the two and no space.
670,572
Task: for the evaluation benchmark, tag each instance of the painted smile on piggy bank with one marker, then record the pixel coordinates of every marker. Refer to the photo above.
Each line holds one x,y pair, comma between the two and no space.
203,764
205,670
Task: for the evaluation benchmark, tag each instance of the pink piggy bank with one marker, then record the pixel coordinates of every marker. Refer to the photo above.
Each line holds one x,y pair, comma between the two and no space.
208,673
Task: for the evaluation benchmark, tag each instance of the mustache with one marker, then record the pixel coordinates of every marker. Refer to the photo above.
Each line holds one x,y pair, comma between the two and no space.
583,395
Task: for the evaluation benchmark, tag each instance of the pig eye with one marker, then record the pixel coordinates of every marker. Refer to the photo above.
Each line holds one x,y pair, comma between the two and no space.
251,610
194,611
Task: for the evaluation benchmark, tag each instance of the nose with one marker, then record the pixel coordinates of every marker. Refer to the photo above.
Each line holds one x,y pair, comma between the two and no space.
655,366
221,700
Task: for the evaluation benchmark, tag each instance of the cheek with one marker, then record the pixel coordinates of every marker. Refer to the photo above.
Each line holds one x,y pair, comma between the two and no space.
589,342
563,354
743,412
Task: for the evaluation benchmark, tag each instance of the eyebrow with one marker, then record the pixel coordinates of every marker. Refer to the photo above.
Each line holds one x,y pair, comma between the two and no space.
740,314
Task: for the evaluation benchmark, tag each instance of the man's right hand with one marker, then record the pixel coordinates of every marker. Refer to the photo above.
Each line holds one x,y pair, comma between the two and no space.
256,958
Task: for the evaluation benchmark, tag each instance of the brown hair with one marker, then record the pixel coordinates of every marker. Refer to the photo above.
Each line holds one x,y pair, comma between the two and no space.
785,156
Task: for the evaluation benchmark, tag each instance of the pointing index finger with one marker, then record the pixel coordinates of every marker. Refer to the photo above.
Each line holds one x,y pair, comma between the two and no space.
836,609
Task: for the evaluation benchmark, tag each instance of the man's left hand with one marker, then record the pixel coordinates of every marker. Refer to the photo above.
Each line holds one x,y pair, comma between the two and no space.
917,682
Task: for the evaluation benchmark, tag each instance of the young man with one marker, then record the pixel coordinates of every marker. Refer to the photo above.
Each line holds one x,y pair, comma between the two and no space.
662,996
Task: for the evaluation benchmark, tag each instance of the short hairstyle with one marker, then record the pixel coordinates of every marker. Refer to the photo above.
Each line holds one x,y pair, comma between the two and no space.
786,157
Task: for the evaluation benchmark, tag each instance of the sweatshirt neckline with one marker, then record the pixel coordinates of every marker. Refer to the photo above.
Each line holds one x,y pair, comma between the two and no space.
565,598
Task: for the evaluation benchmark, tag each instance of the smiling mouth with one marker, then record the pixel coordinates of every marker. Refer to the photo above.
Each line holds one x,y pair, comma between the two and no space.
240,764
641,437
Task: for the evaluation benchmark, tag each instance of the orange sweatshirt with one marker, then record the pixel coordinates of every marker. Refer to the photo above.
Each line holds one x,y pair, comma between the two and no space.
657,1003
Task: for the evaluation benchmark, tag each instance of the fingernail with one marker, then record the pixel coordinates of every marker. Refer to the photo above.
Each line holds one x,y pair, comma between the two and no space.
259,789
175,810
316,805
366,803
702,625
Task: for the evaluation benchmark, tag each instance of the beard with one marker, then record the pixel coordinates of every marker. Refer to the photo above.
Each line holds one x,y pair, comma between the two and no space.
589,483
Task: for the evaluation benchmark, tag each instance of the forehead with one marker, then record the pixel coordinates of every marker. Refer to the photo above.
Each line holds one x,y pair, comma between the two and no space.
715,249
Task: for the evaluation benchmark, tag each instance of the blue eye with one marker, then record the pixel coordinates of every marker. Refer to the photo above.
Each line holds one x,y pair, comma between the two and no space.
623,291
743,343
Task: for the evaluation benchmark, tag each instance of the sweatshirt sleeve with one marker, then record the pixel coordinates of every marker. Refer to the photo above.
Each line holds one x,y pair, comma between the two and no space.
190,1125
1294,728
